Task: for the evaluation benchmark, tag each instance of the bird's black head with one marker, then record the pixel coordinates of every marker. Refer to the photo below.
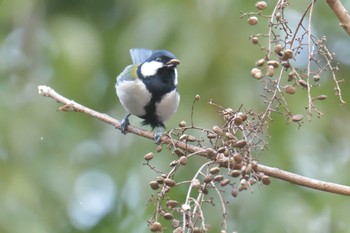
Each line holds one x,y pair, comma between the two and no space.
160,59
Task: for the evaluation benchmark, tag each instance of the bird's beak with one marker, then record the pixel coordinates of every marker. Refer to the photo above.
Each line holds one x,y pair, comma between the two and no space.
173,62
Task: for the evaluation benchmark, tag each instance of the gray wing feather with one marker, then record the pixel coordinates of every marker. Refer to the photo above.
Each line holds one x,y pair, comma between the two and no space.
139,55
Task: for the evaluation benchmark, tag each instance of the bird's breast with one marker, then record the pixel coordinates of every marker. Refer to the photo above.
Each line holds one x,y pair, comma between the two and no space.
168,105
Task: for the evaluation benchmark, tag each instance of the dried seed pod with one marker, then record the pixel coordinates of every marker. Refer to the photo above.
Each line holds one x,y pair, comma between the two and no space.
169,182
168,216
237,157
256,73
208,178
285,64
242,115
172,204
297,117
183,137
260,62
160,180
273,63
217,130
254,165
270,71
182,124
240,143
149,156
234,192
211,153
196,183
238,120
287,54
278,16
291,76
191,138
316,78
303,83
243,185
322,97
154,185
261,5
278,49
251,181
253,20
224,182
183,160
159,148
156,226
235,173
197,97
290,89
205,191
255,40
229,135
218,178
214,170
179,152
265,180
211,135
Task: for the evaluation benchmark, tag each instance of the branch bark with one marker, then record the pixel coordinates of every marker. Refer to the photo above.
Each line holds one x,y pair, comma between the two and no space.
70,105
342,14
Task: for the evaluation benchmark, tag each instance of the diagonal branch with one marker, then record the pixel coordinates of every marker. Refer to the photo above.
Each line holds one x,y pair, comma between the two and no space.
70,105
342,14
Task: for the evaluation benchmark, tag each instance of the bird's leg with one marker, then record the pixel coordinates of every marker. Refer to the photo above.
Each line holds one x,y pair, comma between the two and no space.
124,124
158,134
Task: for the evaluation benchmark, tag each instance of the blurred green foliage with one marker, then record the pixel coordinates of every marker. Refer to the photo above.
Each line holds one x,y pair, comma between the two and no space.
66,172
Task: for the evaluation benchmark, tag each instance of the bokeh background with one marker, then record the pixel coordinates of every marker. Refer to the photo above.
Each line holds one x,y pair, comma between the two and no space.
66,172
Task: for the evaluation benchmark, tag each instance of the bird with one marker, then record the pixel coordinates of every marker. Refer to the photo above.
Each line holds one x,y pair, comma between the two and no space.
148,88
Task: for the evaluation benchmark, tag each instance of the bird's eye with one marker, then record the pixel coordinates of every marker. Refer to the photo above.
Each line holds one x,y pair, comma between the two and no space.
159,59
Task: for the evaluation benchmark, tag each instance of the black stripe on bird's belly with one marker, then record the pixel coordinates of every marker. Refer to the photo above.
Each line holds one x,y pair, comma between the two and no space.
158,85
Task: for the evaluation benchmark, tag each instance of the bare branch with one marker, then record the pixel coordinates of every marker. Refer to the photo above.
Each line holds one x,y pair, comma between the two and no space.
342,14
70,105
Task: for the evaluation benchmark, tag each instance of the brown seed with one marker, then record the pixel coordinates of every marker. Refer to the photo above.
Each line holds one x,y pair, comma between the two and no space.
290,89
224,182
316,78
197,97
291,76
234,192
171,203
183,160
322,97
278,49
261,5
238,120
278,16
156,226
217,130
182,124
253,20
214,170
235,173
265,180
211,135
256,73
240,143
160,180
169,182
211,153
207,179
191,138
237,157
270,71
285,64
179,152
260,62
287,54
148,156
159,148
230,136
154,185
303,83
297,117
218,178
243,185
183,137
273,63
168,216
255,40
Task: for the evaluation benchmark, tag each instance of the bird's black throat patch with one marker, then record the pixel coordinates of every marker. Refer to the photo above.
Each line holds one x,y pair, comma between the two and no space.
158,85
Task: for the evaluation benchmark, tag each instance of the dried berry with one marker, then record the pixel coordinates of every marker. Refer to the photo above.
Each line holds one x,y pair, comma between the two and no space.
237,157
234,192
273,63
303,83
270,71
169,182
149,156
322,97
214,170
253,20
235,173
183,160
179,152
182,124
255,40
168,216
171,204
256,73
265,180
261,5
154,185
297,117
240,143
156,226
290,89
208,178
224,182
287,54
316,78
196,183
278,49
218,178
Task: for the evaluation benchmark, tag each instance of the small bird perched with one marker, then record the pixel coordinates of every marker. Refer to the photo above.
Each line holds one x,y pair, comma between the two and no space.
148,88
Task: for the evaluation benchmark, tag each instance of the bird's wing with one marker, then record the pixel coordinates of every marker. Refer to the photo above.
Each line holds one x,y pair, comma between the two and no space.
128,74
139,55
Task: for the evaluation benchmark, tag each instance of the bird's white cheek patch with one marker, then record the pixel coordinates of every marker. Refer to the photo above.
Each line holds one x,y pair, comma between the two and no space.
150,68
168,105
134,96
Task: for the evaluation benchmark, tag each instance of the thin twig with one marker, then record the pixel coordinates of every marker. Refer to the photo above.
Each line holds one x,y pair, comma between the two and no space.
69,105
342,14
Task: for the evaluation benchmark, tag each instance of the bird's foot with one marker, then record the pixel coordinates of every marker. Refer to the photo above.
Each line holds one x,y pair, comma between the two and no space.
124,124
157,135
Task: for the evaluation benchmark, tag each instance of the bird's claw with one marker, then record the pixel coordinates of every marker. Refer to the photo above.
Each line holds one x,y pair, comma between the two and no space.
158,135
124,124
